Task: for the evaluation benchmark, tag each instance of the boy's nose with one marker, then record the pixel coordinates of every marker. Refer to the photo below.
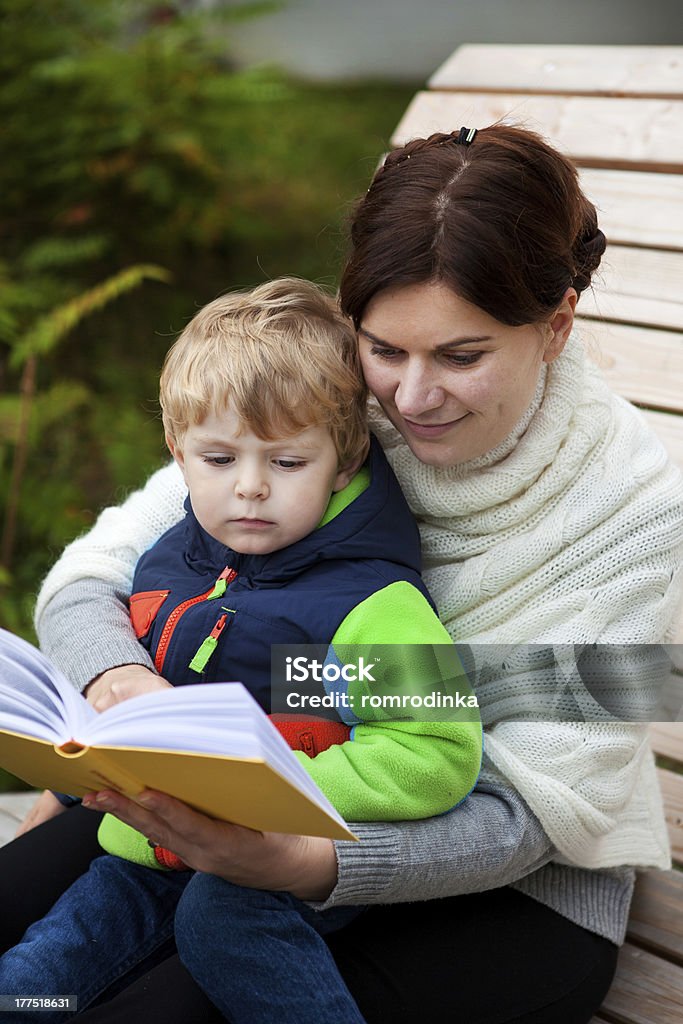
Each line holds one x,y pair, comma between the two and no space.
251,486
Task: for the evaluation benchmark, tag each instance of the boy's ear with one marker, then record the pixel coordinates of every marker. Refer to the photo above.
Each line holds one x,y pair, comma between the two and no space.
176,451
347,472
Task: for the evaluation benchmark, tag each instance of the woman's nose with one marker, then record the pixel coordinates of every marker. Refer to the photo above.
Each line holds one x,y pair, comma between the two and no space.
418,392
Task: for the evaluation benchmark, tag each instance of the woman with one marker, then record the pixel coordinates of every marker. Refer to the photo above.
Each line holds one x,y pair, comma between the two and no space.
549,516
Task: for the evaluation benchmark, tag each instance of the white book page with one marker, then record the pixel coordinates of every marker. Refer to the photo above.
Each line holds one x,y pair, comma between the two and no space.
35,698
206,718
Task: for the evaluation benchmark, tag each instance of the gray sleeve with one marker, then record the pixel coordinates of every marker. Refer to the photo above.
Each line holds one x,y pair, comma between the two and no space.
491,839
85,629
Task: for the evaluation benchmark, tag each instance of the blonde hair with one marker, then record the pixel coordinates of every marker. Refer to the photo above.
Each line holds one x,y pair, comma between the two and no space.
281,356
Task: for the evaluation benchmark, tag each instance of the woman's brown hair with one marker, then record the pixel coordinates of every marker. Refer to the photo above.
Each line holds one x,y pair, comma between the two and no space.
502,221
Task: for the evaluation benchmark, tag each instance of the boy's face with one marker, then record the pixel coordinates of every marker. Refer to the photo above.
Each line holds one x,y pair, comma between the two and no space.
258,496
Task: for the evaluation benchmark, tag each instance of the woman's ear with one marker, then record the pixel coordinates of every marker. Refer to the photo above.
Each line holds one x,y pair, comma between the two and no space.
560,326
347,472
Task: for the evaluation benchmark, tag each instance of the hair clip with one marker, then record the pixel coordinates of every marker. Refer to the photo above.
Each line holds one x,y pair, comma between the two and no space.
466,136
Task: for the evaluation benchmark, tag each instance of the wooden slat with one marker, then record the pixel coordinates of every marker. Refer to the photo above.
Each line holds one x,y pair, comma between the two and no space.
13,809
601,70
666,738
646,990
641,134
671,785
652,924
8,827
642,364
636,207
638,286
669,429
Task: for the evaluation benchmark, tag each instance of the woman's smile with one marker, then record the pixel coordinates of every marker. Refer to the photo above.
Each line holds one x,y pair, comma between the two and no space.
432,430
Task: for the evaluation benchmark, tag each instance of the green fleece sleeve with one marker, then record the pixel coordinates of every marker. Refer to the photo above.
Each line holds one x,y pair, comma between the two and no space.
121,840
400,764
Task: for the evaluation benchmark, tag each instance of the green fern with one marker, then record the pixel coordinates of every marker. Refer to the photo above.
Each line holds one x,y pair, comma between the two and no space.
39,340
50,329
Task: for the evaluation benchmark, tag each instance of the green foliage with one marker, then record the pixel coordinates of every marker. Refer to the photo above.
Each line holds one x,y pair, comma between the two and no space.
8,784
130,141
43,336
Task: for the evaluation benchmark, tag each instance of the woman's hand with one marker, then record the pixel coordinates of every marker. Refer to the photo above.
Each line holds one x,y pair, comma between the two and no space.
306,866
122,683
46,806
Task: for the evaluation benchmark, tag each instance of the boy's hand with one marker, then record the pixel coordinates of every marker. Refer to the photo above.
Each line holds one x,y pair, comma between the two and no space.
122,683
46,806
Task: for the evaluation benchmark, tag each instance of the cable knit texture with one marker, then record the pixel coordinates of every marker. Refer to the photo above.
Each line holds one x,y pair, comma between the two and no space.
569,532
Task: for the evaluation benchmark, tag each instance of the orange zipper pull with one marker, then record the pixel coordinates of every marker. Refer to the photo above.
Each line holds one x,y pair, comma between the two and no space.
221,585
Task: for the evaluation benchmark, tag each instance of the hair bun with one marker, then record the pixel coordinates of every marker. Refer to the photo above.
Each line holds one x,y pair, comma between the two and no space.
588,252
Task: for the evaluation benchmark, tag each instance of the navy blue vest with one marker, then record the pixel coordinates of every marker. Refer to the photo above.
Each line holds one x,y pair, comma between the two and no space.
298,595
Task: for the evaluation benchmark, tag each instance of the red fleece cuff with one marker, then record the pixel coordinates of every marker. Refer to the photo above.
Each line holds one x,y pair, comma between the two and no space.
169,860
310,734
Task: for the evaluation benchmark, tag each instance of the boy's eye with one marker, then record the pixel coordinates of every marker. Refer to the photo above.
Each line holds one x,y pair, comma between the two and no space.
289,463
218,460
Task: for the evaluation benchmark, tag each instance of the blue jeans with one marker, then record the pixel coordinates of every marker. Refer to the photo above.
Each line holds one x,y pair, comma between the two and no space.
260,956
113,917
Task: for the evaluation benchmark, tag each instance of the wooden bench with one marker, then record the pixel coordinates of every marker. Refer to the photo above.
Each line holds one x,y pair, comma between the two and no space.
648,988
618,113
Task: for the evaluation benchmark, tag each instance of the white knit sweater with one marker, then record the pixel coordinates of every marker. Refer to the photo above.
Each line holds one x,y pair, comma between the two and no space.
570,532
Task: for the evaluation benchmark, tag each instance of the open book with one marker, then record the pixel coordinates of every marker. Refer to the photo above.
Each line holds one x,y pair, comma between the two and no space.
209,745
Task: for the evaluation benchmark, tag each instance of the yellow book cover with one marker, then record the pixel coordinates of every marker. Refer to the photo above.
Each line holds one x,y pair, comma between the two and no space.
209,745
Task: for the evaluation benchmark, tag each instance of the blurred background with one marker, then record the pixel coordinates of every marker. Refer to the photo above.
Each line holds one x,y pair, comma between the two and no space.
408,39
145,171
158,154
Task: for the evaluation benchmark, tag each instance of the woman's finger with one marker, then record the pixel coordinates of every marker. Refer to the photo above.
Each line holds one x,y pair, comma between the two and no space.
303,865
128,811
165,821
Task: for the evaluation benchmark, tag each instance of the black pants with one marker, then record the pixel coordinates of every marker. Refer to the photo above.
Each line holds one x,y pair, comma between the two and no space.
488,958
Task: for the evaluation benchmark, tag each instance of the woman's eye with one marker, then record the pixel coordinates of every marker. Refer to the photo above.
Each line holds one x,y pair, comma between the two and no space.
454,358
217,460
462,358
385,353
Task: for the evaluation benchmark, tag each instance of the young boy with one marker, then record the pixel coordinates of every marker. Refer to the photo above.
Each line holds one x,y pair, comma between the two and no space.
296,532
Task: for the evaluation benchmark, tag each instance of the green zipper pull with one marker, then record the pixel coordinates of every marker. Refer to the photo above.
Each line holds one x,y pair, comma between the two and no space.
227,576
208,646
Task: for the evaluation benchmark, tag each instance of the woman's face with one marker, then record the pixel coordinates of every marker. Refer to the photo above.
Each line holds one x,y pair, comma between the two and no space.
452,379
